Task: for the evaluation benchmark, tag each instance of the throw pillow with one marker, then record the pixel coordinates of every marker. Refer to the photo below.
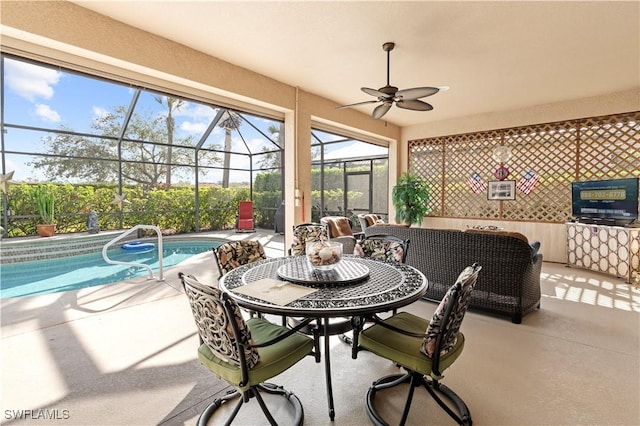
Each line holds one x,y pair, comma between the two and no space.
380,249
372,219
339,227
464,284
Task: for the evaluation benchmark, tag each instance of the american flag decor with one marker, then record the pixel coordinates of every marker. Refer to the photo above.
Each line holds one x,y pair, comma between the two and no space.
528,182
476,183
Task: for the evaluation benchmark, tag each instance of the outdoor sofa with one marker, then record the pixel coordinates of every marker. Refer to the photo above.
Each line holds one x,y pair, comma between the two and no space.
509,283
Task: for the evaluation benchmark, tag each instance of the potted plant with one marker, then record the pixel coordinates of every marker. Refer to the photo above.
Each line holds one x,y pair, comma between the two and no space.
44,201
411,197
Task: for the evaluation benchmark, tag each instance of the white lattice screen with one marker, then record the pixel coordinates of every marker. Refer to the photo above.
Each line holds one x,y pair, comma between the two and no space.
545,159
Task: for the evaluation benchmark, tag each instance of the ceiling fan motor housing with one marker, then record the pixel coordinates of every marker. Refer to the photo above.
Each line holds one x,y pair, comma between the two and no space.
388,90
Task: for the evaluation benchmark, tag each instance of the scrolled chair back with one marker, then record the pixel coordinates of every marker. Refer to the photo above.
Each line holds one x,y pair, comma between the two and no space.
220,323
304,233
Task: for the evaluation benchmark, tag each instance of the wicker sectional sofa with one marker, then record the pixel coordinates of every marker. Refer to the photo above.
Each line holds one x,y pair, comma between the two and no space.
509,283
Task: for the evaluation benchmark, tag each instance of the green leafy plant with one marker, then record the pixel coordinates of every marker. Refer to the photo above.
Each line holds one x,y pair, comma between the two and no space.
44,200
411,197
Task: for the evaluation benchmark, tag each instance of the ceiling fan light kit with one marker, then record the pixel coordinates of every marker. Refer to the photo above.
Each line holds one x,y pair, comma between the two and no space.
388,95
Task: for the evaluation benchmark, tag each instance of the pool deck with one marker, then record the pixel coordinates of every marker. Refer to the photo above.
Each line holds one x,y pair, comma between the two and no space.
125,354
82,350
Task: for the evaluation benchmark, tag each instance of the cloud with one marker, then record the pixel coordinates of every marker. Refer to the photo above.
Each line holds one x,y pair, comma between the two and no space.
46,113
30,81
99,112
193,110
190,127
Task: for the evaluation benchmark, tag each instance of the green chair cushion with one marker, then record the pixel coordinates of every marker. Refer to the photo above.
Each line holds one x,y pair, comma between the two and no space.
405,350
274,359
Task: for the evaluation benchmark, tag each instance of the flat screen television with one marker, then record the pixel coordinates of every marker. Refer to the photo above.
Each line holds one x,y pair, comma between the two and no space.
611,202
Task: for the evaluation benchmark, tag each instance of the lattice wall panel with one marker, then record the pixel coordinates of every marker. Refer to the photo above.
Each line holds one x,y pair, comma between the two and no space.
426,160
548,157
609,146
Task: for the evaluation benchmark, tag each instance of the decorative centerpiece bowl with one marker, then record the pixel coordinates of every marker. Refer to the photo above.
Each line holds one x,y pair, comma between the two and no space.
323,255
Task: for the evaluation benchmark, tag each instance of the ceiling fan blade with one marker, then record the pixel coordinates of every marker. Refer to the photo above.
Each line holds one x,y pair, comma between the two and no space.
416,93
414,105
356,104
376,93
381,110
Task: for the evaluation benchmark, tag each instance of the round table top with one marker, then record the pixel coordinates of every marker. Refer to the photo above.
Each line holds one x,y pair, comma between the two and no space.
388,285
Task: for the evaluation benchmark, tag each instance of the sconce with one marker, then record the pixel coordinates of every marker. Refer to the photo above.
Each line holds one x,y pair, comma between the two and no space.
297,197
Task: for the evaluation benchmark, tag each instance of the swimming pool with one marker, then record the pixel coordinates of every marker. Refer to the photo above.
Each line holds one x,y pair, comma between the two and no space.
74,272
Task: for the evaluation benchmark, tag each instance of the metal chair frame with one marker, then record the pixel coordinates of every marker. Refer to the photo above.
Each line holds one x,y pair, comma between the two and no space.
253,391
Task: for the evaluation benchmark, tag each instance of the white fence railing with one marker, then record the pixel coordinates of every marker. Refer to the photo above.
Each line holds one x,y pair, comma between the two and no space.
140,265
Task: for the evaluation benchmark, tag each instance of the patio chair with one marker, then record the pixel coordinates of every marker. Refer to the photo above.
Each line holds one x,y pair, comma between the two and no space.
306,232
245,219
424,349
303,234
244,354
340,228
381,247
233,254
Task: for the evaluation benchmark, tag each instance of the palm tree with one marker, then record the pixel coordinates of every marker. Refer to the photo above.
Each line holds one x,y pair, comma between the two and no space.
229,121
173,104
273,158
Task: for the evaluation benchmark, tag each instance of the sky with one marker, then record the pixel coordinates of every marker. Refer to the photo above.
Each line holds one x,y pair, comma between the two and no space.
49,98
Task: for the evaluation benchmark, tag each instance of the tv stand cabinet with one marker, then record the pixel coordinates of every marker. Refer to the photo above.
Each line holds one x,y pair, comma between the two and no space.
614,250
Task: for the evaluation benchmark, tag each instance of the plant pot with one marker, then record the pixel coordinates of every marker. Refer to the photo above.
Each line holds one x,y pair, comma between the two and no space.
46,230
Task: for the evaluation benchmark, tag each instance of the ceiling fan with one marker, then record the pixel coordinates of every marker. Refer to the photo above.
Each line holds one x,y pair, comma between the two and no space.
388,95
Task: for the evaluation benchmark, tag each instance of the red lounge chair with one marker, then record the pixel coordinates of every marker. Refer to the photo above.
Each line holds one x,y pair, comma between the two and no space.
245,221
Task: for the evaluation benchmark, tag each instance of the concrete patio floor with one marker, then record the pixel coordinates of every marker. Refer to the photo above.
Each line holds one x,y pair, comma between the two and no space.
125,354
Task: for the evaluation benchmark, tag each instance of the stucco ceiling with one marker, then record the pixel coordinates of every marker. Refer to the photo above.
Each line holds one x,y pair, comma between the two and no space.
494,56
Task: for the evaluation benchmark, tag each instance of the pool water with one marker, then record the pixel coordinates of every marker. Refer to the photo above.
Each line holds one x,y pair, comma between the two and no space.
74,272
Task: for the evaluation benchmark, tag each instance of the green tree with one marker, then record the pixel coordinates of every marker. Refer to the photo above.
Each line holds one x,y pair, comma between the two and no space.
77,157
272,156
